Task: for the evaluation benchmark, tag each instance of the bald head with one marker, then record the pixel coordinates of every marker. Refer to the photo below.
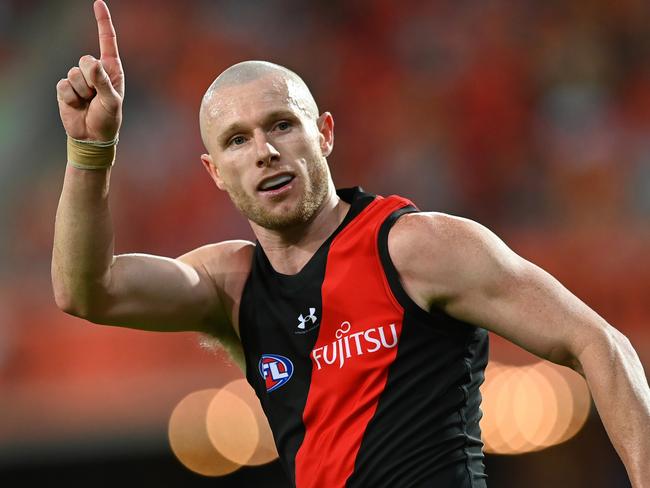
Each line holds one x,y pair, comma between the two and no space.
278,77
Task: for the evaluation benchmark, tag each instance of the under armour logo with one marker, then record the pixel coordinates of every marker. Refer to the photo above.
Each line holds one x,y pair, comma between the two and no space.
303,320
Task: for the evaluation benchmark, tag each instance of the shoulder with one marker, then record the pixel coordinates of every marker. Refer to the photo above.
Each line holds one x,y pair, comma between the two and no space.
226,263
221,251
437,254
221,256
431,233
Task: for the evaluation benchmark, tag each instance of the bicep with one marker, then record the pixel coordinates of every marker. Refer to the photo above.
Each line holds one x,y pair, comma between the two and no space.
498,290
158,293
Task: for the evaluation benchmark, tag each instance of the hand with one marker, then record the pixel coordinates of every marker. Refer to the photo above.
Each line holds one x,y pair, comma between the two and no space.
90,98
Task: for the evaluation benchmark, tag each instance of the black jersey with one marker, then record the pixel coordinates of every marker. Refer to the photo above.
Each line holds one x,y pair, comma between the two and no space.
362,387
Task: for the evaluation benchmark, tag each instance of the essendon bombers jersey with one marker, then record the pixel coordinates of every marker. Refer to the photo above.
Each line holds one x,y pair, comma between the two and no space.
362,387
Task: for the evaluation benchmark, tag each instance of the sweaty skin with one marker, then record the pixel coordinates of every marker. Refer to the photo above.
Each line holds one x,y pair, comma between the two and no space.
260,125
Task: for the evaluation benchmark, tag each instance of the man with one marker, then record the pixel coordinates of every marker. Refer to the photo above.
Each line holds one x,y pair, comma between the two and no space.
360,322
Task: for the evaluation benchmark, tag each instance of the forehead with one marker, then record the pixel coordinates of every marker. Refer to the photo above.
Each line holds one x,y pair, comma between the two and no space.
248,101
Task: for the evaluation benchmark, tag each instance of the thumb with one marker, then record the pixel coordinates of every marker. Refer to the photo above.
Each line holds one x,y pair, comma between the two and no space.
107,94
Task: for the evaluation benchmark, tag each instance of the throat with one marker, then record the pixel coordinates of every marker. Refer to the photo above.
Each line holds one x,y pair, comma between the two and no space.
289,251
290,261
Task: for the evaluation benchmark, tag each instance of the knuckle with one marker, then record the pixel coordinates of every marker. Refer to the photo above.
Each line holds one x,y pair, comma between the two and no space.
86,58
74,71
62,84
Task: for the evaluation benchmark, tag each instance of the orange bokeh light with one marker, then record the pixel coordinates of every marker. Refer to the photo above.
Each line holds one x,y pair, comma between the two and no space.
265,451
532,407
188,436
232,427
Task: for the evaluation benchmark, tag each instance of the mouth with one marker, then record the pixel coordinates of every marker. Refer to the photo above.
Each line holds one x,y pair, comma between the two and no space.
275,184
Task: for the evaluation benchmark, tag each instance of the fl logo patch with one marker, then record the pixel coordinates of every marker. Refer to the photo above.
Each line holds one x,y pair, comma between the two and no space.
276,370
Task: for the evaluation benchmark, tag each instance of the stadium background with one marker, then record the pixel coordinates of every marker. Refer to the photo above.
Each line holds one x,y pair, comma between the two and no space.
530,117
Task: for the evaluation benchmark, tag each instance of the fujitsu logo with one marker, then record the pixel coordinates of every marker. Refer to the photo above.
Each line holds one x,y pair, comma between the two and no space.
356,344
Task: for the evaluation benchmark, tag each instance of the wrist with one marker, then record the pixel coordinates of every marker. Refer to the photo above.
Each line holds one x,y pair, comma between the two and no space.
91,154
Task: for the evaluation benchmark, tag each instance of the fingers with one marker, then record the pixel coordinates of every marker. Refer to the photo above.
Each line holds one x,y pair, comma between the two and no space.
106,31
108,52
78,82
67,95
96,77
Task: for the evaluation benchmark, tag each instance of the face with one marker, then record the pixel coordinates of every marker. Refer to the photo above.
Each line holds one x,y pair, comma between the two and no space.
268,151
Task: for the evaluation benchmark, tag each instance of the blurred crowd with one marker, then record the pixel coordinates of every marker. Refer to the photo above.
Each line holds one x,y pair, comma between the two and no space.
532,117
514,113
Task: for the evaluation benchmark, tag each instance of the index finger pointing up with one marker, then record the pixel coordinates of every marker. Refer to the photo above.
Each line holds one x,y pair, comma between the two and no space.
107,37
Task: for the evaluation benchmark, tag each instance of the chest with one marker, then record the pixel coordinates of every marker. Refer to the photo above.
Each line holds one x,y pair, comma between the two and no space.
337,318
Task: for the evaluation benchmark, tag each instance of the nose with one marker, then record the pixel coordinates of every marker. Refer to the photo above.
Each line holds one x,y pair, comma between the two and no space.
266,151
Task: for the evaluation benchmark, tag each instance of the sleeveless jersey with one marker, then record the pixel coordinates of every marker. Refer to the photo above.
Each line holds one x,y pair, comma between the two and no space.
361,386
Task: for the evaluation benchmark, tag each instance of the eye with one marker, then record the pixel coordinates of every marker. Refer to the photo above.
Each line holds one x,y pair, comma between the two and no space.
237,141
283,126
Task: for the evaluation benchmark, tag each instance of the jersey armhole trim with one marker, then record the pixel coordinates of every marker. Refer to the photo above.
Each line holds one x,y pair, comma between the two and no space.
390,271
241,324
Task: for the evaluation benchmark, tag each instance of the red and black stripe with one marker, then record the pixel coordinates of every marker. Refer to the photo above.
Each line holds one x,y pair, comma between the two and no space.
401,408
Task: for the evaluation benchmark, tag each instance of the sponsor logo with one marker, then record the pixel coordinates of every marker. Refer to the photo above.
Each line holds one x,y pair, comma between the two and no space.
276,370
307,322
348,346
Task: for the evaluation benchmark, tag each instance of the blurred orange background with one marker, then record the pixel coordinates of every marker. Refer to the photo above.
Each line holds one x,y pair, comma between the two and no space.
531,117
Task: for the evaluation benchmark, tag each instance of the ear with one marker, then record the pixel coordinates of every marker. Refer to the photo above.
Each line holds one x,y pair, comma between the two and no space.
325,124
212,170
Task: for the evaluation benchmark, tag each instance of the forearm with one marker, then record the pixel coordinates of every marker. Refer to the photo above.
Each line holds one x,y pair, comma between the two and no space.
83,239
620,390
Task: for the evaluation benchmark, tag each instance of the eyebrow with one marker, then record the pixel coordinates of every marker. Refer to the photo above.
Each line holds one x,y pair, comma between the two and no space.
239,127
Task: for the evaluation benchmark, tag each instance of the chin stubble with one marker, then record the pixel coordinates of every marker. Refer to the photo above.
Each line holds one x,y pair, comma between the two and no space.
304,211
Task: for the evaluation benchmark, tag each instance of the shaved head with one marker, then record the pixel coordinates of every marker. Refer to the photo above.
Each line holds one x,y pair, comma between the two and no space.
260,123
246,72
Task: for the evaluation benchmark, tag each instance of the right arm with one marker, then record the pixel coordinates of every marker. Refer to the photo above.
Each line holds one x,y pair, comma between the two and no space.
133,290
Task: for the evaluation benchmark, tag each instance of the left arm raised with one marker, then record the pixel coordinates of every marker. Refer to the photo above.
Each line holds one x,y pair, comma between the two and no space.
467,271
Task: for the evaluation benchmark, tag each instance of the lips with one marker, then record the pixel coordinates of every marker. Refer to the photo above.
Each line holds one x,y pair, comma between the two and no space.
275,182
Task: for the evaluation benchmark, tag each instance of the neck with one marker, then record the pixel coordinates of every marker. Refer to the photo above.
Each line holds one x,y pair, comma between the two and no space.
289,249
